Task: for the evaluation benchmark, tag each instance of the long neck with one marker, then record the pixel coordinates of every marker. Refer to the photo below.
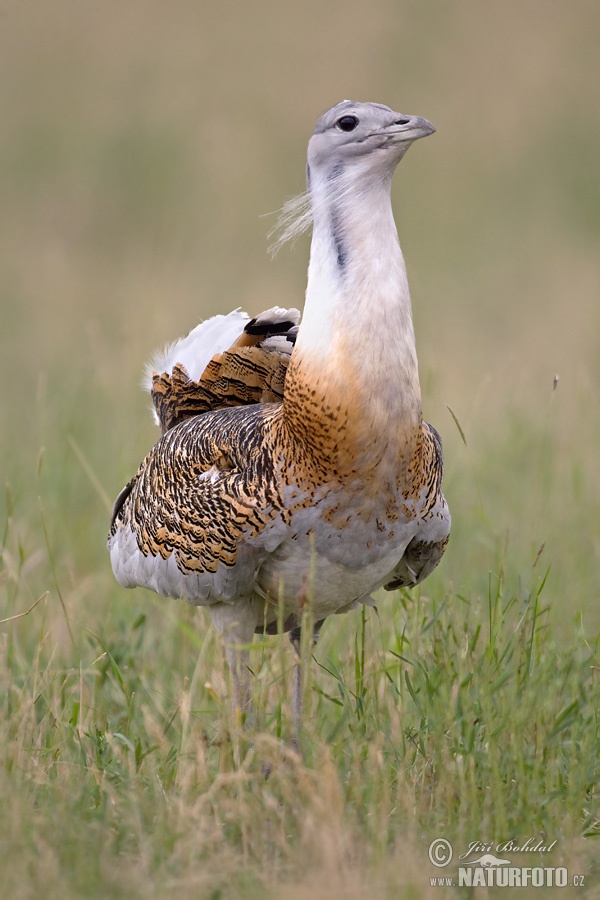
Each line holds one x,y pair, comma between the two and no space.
354,365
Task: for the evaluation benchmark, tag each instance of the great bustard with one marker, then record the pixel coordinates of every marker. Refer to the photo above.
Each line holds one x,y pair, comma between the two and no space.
295,464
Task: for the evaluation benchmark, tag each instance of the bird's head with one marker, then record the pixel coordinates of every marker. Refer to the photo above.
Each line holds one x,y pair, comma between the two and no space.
354,146
363,137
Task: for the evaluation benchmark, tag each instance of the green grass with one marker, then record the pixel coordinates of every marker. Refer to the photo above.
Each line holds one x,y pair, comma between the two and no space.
124,772
140,146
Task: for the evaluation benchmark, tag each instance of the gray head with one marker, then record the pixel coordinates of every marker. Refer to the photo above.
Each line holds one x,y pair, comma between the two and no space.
366,136
353,145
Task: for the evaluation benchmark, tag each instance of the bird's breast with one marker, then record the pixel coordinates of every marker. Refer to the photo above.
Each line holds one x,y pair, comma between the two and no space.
340,546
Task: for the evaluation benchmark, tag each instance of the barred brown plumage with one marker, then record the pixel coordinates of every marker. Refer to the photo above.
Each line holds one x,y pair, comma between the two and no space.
295,465
251,371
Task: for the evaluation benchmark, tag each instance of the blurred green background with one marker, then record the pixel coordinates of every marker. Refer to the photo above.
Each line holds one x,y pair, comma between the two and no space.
144,147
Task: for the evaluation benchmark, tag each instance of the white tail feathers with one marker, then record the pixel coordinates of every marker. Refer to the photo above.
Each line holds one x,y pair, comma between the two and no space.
194,352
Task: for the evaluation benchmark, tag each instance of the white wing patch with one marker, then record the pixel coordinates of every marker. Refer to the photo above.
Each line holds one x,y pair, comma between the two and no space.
133,569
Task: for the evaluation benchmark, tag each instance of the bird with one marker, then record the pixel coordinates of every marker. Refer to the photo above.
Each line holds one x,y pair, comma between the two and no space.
295,468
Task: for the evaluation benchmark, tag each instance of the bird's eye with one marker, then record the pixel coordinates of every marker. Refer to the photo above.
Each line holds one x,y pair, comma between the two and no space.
347,123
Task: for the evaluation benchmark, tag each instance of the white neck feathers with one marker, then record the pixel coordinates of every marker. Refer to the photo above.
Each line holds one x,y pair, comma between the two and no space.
356,339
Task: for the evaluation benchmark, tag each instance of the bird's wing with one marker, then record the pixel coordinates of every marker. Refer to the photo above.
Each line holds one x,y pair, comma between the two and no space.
426,549
200,515
419,560
251,369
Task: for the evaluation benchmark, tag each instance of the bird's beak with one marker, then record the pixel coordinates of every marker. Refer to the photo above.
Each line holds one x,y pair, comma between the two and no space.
405,128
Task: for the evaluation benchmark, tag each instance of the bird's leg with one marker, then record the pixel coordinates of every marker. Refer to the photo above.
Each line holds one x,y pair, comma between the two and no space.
236,624
240,675
298,697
